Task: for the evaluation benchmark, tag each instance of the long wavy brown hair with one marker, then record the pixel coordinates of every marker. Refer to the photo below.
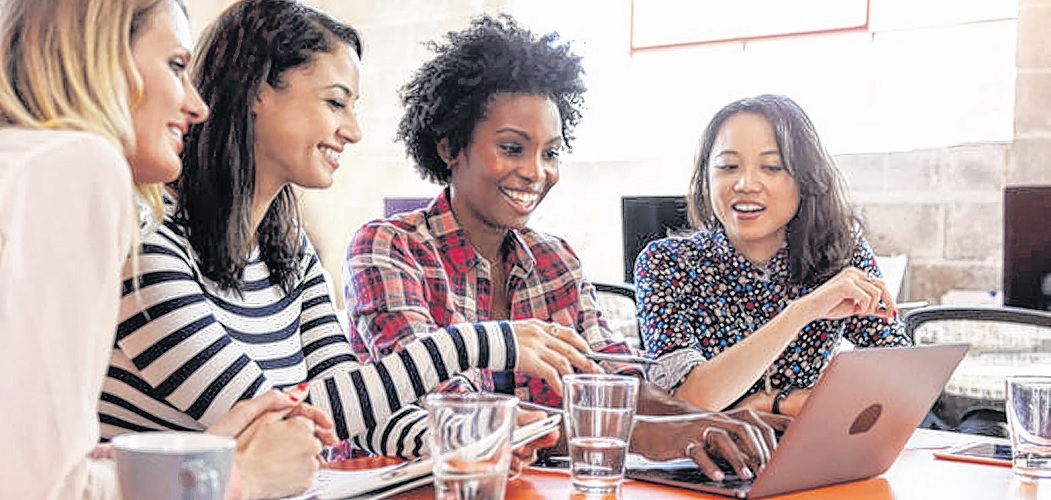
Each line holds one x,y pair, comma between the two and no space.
824,231
254,42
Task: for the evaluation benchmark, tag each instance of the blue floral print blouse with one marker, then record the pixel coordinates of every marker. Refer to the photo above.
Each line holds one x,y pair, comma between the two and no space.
697,296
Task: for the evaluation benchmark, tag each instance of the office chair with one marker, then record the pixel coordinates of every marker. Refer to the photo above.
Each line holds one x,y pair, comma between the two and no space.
1004,341
617,303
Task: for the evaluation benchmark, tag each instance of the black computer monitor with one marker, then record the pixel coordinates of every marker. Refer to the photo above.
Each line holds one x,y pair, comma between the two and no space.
1027,247
647,218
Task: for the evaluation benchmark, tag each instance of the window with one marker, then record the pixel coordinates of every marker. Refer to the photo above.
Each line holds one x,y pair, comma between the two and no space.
664,23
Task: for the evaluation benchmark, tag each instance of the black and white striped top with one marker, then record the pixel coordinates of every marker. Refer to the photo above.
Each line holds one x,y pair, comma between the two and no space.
186,352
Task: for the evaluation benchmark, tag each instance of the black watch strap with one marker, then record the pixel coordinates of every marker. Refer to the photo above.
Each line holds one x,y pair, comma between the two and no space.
775,408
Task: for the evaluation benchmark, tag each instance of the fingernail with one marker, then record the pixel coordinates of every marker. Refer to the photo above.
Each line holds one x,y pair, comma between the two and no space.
718,476
294,398
303,386
747,473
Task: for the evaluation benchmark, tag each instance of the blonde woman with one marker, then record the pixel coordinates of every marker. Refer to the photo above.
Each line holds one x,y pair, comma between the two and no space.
94,99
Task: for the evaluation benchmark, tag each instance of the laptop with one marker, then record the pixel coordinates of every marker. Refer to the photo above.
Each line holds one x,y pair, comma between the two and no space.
855,423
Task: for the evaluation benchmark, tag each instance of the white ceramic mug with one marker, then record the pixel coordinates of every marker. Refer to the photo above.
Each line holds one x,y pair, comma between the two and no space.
173,465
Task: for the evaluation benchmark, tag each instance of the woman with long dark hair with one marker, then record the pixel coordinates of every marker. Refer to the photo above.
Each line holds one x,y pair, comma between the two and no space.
228,299
746,312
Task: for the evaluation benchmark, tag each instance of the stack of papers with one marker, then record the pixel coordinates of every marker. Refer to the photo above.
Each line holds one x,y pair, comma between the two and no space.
376,484
372,484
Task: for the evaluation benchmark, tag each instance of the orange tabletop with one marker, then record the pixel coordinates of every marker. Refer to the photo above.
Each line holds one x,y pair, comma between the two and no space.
915,475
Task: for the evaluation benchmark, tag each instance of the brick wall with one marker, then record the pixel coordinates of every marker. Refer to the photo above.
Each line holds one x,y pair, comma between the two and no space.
941,207
1031,150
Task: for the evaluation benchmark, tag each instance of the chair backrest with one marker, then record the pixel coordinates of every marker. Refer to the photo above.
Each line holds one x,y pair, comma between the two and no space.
1004,341
617,303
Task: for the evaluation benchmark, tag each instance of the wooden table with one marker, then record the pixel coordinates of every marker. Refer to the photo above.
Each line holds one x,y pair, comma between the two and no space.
916,475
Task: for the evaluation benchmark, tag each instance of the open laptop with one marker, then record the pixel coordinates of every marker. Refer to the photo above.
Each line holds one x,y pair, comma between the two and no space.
861,413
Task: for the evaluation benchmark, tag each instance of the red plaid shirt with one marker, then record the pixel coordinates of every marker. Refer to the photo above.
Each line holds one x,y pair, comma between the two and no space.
407,276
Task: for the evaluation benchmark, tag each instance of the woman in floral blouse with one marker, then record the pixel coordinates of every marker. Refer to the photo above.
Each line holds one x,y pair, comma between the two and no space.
746,312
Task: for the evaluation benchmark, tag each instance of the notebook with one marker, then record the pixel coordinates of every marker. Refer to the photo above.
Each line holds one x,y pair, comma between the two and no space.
856,421
389,481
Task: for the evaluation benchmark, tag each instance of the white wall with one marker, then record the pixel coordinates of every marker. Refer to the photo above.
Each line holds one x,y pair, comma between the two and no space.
929,73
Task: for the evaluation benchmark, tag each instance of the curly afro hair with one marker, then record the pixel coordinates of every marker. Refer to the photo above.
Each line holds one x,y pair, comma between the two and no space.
449,94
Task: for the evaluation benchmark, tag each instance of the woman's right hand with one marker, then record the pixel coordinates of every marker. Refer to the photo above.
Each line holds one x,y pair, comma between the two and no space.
548,351
851,292
743,439
279,441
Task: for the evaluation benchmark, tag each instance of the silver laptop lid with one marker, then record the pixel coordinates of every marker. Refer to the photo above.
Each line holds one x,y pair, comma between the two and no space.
857,420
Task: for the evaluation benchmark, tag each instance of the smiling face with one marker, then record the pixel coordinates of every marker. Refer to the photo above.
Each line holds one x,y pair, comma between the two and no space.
751,192
509,165
302,127
169,102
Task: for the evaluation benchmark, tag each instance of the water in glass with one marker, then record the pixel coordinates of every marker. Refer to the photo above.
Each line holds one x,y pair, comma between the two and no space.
597,463
469,481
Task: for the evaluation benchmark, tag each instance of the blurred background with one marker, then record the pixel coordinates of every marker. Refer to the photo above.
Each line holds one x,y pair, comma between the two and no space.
930,107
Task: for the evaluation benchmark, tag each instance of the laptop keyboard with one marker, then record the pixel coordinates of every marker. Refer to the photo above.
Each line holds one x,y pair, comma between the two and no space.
695,476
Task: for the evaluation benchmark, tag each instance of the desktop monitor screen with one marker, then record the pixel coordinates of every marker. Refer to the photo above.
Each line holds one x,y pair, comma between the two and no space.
1027,247
647,218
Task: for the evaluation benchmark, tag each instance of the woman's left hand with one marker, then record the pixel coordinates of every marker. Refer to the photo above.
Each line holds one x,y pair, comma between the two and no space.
525,456
279,441
759,401
851,292
763,402
794,402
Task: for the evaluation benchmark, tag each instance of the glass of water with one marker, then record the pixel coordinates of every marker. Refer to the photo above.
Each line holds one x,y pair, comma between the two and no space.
599,413
1029,417
470,444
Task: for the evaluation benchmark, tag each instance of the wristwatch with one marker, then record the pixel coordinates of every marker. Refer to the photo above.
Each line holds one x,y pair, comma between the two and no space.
775,408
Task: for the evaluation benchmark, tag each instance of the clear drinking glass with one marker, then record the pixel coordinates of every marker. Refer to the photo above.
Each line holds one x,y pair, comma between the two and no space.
599,414
1029,416
471,444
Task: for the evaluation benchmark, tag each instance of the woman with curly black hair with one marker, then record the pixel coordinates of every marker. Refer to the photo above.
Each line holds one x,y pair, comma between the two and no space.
450,94
488,118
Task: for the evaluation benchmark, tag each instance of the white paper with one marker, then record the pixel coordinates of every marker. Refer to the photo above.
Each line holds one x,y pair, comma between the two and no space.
332,479
633,461
332,483
926,439
639,462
